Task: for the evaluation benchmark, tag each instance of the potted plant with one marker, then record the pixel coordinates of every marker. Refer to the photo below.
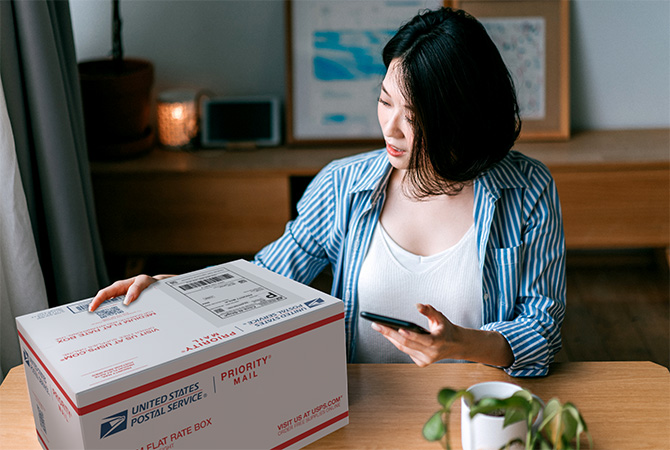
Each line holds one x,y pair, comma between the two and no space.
560,427
116,96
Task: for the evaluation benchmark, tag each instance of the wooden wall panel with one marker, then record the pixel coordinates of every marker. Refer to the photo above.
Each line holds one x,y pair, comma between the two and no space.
615,208
192,214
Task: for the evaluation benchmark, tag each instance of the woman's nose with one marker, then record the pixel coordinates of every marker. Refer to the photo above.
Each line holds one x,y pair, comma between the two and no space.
392,126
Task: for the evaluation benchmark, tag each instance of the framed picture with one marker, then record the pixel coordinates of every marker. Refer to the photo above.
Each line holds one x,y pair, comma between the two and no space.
533,39
335,68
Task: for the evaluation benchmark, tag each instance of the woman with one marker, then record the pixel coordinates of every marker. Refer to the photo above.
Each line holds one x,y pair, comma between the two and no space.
445,215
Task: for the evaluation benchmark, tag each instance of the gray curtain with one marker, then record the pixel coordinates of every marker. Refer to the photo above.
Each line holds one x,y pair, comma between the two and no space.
39,76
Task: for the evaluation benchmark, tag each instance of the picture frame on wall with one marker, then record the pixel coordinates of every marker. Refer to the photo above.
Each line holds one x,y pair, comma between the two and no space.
533,39
335,68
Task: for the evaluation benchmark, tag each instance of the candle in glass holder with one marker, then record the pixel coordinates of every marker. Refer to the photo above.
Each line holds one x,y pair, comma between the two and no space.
177,118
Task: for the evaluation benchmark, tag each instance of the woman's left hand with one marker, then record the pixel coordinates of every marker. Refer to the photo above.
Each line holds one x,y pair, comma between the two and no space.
425,349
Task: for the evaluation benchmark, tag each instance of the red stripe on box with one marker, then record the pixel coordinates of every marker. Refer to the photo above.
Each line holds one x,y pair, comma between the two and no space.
44,444
308,433
67,397
187,372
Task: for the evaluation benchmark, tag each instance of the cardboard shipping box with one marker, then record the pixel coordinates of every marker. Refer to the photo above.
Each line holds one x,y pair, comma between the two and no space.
228,357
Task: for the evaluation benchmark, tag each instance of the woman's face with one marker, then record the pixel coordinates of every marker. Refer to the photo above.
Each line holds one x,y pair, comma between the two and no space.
395,119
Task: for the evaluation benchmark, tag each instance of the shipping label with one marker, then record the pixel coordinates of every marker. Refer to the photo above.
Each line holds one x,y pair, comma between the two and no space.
222,295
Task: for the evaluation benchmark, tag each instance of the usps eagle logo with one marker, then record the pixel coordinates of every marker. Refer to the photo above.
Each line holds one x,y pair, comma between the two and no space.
113,424
314,302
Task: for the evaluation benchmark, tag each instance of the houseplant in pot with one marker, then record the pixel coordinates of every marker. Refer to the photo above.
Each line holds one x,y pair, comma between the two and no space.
554,426
116,95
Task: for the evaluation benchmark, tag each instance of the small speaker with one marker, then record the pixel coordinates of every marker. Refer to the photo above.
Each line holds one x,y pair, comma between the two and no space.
240,122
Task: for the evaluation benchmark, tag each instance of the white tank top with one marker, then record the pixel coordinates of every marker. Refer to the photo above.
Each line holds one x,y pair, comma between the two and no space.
392,281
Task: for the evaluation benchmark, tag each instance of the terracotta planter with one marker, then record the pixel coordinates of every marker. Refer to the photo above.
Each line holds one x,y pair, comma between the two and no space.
117,107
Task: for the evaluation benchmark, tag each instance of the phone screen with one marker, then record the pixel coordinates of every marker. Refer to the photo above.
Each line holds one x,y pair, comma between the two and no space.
392,322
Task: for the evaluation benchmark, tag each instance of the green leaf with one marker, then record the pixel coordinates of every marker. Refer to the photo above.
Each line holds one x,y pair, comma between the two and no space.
566,444
486,406
571,409
446,396
517,407
570,424
434,429
518,403
550,411
535,408
524,394
513,415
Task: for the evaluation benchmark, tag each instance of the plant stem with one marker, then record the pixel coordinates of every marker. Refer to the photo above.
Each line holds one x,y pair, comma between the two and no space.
447,439
117,45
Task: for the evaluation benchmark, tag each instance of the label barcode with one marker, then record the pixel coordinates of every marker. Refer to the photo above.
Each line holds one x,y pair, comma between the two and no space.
104,313
205,282
41,419
83,307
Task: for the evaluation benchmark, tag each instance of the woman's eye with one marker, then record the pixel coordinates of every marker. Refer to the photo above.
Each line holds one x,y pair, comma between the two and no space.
383,102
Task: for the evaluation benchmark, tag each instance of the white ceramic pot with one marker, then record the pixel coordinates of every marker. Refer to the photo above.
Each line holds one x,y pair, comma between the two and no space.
484,432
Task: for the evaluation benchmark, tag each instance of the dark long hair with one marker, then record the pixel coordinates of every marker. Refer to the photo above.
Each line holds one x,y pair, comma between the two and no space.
462,97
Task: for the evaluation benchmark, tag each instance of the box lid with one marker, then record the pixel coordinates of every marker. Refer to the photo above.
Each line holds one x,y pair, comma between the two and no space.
84,350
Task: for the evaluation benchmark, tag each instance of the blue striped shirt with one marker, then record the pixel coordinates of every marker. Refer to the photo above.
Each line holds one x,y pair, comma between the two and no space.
520,241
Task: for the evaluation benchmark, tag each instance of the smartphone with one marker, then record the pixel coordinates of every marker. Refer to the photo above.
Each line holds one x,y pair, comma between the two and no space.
393,323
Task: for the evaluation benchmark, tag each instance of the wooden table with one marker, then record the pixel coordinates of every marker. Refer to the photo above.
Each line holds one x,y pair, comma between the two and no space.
626,405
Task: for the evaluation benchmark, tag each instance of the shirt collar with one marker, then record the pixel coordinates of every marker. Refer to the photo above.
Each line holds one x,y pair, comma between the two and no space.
503,175
377,175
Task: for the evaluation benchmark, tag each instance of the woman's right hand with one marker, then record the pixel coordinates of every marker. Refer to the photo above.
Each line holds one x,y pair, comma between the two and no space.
131,287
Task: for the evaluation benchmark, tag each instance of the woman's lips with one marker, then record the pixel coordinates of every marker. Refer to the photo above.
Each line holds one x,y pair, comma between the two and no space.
393,151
